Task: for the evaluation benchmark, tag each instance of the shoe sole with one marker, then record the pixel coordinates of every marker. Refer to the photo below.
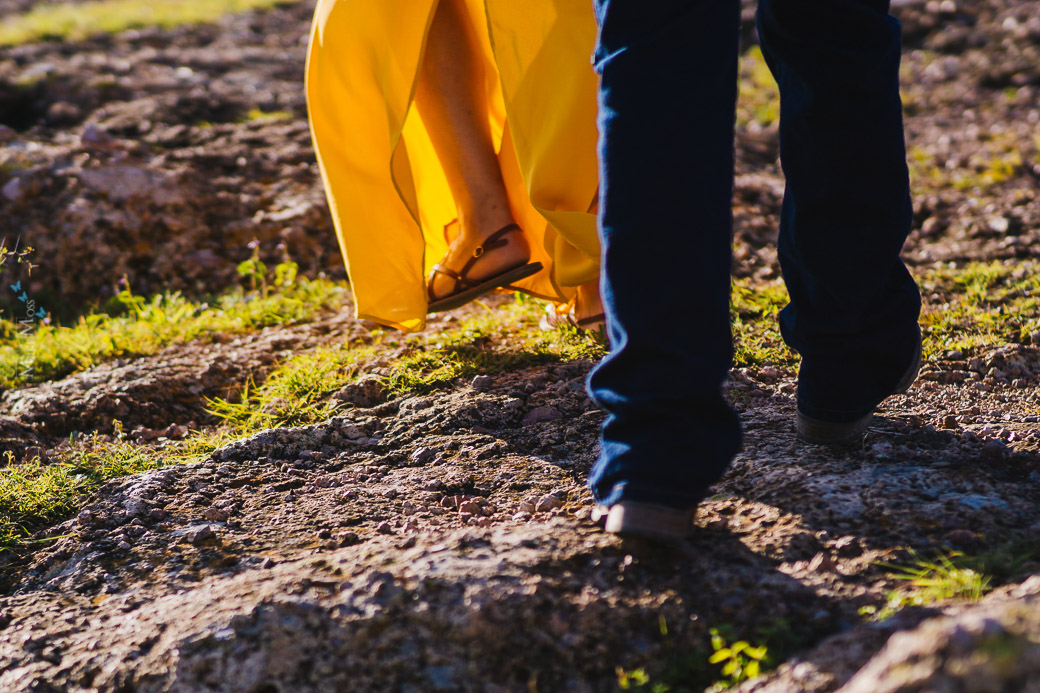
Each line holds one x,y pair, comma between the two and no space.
499,280
819,432
650,521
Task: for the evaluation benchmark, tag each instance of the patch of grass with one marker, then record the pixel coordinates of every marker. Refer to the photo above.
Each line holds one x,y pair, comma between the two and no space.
979,304
77,21
931,581
997,158
34,495
759,97
132,325
965,308
506,338
756,332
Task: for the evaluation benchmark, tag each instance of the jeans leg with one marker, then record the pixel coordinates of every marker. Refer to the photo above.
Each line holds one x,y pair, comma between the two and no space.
667,103
847,208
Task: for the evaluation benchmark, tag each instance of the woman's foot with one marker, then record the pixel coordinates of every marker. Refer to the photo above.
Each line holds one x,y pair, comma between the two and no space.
505,252
588,308
584,311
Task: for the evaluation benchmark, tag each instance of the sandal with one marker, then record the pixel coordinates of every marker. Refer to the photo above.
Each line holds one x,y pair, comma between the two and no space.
467,289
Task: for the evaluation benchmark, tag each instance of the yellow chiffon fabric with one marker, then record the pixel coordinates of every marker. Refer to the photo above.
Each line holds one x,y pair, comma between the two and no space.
387,192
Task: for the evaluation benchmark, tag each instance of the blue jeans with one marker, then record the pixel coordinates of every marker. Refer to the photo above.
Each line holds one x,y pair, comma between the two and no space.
668,71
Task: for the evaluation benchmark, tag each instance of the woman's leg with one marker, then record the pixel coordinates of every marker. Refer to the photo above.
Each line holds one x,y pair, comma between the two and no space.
452,101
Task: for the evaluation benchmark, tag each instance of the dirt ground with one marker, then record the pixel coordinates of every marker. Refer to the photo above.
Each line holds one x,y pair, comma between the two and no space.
443,541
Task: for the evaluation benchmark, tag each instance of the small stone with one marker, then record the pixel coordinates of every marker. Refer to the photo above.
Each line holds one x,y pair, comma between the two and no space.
768,374
157,514
481,383
200,534
268,562
175,431
950,422
13,189
384,528
997,224
471,507
526,507
423,456
367,391
348,539
63,113
821,562
547,503
96,137
215,514
85,517
521,516
123,545
136,507
541,414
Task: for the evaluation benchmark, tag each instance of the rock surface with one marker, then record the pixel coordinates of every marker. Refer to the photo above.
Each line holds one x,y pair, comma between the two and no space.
444,541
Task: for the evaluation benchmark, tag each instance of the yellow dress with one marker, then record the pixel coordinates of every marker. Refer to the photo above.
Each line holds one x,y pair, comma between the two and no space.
387,192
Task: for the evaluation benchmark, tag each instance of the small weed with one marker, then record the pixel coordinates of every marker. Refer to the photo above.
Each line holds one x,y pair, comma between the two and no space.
930,582
740,661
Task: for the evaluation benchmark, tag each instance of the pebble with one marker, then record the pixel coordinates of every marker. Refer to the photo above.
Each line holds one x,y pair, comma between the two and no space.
215,514
13,189
481,383
200,534
471,507
547,503
541,414
423,456
157,514
521,516
384,528
85,517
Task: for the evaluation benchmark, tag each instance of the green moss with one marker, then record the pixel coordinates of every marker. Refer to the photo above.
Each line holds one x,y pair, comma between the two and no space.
77,21
35,495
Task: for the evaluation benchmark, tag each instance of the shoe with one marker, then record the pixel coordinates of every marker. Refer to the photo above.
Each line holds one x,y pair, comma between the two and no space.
820,432
647,520
467,289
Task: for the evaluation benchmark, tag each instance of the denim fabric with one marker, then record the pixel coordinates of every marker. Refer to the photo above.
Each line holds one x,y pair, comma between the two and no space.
667,110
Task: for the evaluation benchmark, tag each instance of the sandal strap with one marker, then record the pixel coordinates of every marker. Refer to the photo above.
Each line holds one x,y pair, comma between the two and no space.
461,277
460,281
493,241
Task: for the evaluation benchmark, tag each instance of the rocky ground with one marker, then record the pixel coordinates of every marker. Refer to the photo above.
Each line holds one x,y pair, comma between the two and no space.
443,540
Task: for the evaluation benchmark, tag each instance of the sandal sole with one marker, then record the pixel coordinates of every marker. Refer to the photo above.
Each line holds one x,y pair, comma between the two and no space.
463,297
